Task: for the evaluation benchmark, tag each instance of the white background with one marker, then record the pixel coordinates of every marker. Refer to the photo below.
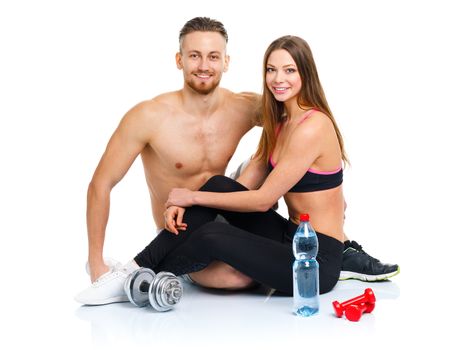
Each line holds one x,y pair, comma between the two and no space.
69,70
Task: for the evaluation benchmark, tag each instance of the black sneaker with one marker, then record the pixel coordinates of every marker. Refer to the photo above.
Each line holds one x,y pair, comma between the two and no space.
357,264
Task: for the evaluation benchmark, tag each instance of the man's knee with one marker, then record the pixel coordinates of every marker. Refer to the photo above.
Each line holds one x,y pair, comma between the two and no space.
213,183
220,183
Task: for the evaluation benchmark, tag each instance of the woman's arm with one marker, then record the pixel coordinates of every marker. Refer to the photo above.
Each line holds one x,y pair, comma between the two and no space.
296,157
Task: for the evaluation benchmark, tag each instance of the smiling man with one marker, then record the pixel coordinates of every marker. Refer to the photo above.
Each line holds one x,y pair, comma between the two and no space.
183,137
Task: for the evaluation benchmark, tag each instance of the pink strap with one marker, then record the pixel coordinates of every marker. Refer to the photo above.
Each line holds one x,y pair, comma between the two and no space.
313,171
307,115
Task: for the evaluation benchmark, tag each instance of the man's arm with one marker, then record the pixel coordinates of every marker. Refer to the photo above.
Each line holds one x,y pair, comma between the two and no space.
129,139
252,173
258,110
251,106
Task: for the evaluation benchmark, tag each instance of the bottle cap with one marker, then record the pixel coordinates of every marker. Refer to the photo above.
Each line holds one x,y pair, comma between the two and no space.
304,217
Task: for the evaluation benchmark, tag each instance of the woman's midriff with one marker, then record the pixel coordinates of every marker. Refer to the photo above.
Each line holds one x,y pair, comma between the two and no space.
325,208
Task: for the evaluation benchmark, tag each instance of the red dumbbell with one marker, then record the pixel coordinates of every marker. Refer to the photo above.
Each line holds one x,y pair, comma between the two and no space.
367,298
354,312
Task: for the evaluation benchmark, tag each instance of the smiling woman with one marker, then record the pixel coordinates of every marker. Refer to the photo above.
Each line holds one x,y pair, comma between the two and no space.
282,77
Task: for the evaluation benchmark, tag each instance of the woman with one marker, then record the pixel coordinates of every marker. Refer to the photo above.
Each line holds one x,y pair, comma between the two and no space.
302,147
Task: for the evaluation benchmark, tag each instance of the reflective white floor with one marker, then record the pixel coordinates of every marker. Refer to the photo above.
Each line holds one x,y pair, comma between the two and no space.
410,311
206,319
220,319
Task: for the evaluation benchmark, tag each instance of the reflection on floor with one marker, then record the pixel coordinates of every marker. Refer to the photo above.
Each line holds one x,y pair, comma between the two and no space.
207,317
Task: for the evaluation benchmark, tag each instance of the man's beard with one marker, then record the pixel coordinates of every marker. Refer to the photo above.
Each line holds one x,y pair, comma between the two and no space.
202,87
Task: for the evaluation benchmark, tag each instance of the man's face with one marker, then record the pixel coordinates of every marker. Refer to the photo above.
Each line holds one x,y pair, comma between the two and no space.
203,59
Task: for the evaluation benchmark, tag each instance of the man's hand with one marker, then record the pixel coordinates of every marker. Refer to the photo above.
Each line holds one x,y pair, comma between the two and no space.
173,217
181,197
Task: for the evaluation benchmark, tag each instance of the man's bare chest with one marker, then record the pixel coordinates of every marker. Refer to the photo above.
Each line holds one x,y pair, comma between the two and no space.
194,149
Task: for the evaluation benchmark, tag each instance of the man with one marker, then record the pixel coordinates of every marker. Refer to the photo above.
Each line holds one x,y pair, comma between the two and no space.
184,137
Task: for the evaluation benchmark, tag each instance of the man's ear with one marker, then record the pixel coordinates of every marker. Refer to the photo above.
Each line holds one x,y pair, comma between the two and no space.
227,61
178,60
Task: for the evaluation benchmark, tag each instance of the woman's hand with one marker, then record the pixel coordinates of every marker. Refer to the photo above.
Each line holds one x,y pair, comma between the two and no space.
173,219
181,197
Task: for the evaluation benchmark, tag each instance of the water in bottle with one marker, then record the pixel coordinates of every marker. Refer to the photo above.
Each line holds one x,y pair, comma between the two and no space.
305,269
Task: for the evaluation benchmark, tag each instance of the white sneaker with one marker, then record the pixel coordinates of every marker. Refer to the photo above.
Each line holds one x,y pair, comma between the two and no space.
109,288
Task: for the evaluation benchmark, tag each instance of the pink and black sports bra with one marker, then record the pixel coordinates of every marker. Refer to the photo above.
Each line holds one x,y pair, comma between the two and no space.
313,180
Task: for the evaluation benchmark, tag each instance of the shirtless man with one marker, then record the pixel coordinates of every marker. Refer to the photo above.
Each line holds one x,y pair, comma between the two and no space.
184,137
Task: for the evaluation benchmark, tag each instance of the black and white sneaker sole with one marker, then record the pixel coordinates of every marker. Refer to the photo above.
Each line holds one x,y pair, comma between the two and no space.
349,275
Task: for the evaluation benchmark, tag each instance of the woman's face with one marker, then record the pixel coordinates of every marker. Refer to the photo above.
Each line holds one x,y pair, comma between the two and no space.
282,77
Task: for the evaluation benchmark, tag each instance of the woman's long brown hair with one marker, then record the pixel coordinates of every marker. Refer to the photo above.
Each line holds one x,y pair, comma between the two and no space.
310,96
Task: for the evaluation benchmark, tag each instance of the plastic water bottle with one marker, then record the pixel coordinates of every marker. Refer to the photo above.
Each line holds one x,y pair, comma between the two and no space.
305,269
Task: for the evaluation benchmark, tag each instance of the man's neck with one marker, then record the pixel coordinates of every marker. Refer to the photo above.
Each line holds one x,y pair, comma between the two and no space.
200,104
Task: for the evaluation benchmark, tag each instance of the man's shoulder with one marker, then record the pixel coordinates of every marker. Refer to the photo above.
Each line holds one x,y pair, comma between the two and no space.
246,98
167,99
164,103
248,104
156,107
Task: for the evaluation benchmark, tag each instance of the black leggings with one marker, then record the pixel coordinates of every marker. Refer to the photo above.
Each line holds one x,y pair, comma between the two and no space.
256,244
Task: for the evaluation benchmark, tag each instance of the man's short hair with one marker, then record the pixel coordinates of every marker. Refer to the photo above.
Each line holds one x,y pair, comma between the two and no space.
202,24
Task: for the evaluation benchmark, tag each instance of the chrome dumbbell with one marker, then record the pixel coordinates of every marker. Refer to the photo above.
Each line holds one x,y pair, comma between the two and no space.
163,290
